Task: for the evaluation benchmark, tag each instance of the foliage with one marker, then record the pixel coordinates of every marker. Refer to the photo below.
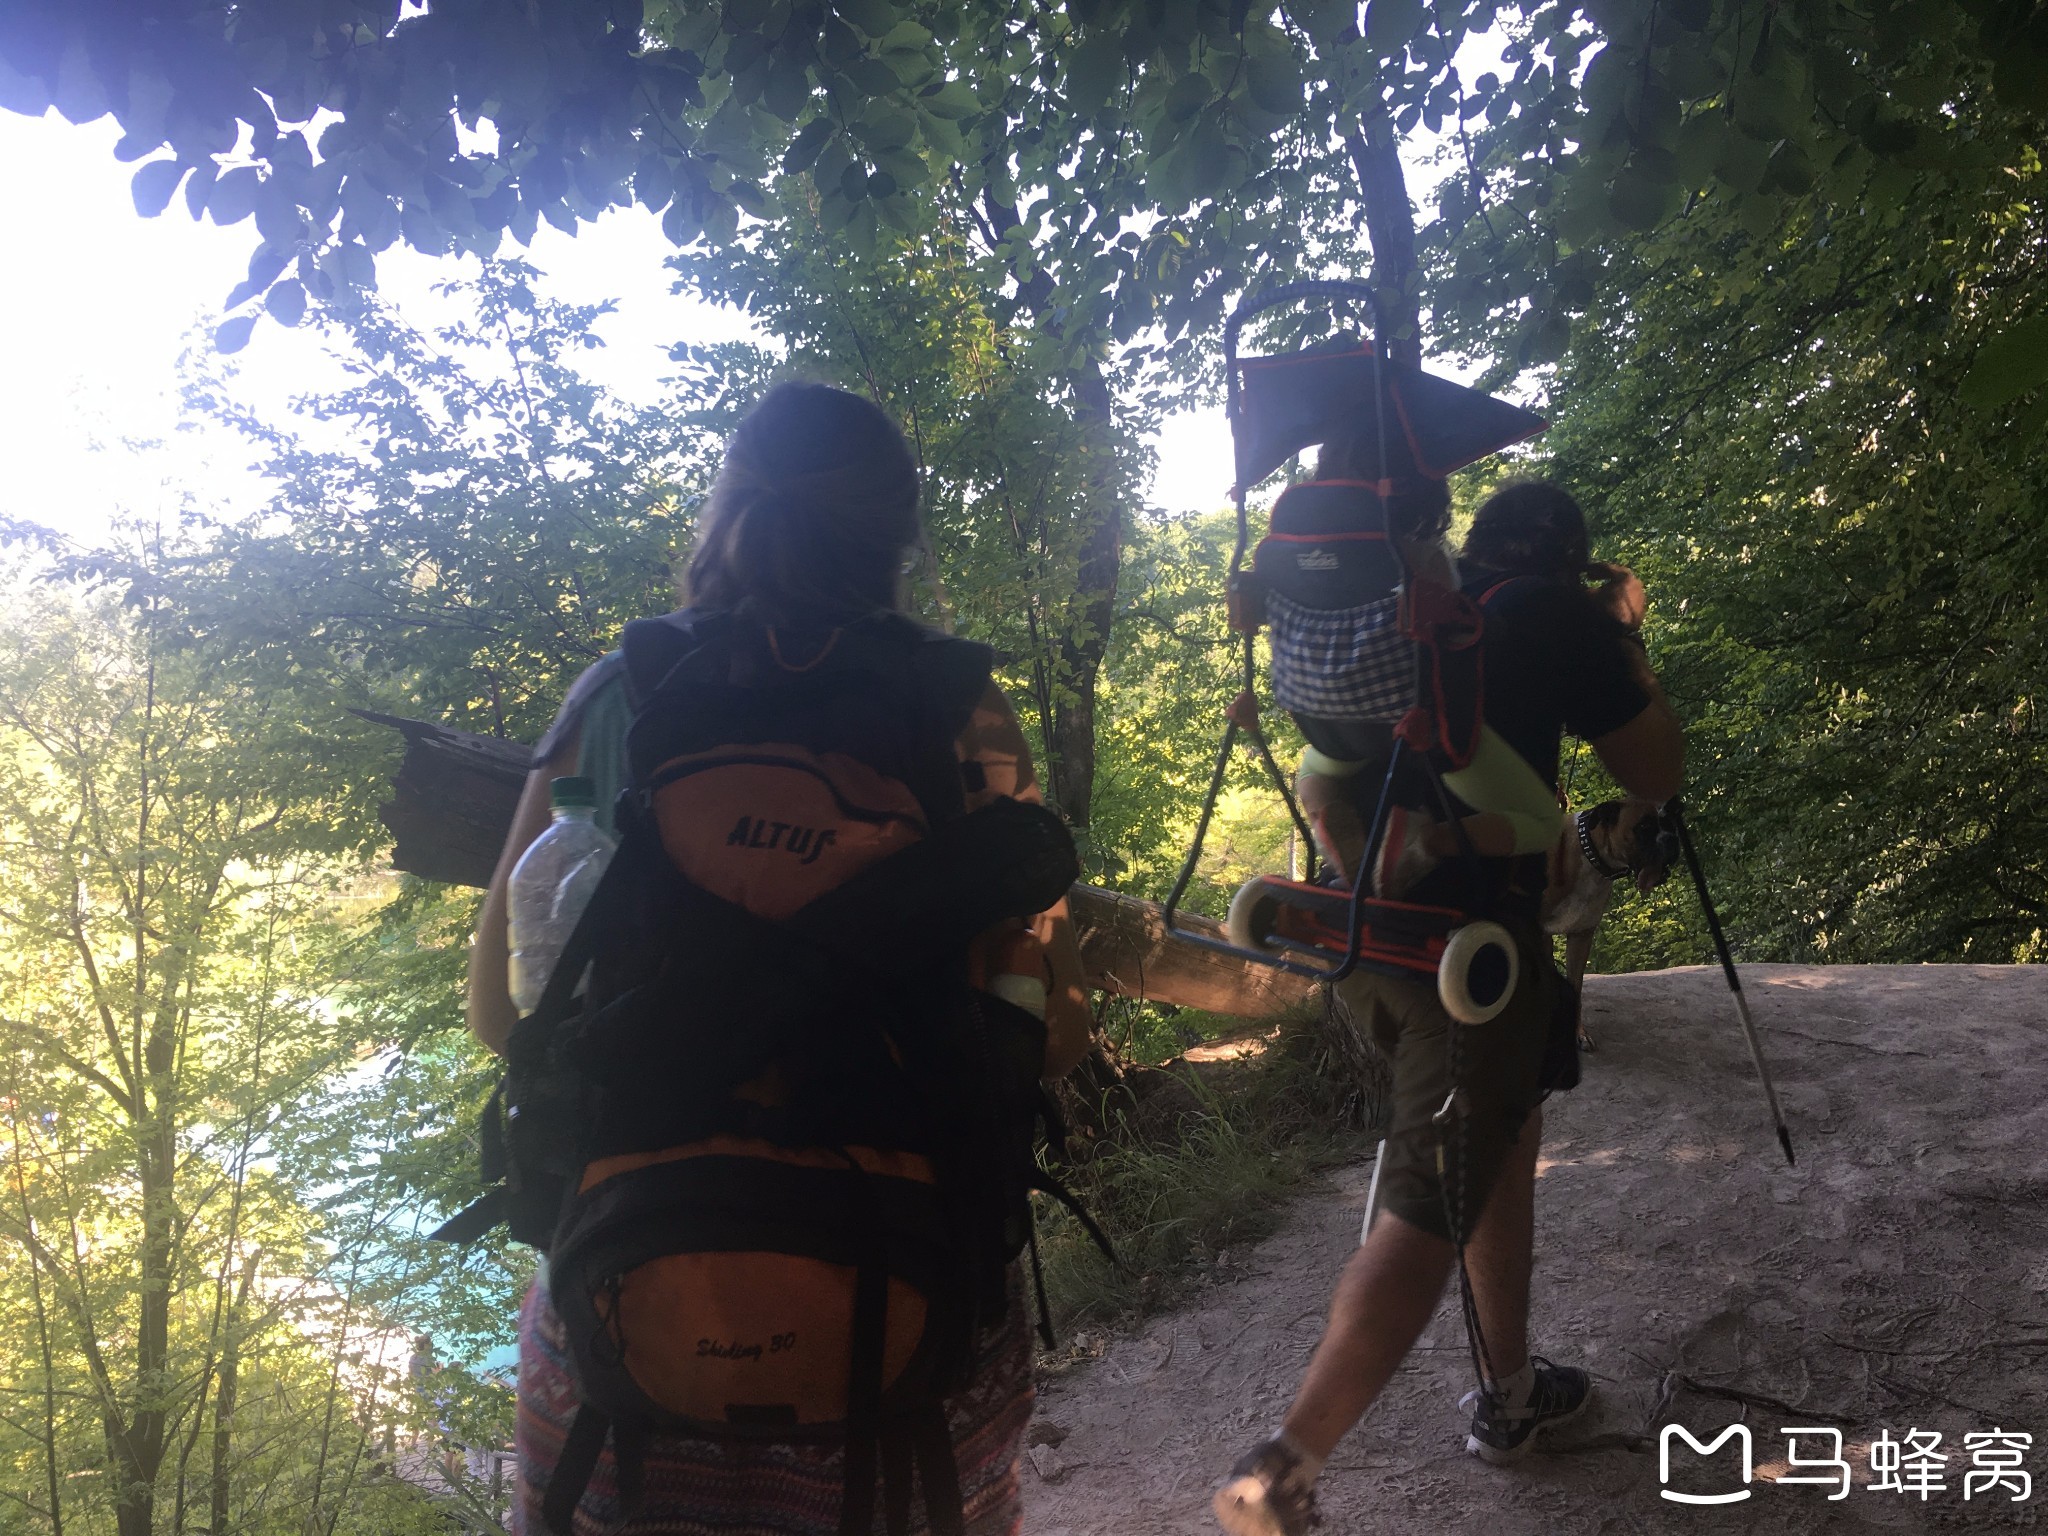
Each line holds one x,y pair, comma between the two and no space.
1846,545
1232,133
468,524
192,1342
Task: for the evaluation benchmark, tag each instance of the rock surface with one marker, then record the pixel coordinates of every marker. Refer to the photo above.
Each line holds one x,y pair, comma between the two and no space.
1895,1280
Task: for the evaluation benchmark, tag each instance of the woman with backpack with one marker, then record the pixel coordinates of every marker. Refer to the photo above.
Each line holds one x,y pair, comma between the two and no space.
794,596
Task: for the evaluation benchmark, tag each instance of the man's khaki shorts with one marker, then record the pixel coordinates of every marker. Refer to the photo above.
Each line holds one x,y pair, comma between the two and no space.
1501,1071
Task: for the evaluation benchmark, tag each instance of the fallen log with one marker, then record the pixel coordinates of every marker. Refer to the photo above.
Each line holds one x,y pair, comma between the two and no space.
454,794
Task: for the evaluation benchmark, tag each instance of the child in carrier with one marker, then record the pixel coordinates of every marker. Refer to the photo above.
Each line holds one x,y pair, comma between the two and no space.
1347,684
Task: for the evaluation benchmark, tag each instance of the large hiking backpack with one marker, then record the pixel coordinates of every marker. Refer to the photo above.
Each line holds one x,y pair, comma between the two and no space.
778,1150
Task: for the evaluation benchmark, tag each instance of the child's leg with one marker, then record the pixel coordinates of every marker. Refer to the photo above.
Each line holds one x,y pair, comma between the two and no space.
1326,802
1518,812
1493,837
1515,813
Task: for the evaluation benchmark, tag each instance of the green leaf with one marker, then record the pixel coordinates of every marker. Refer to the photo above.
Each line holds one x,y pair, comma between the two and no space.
874,77
680,224
906,167
1760,213
834,212
1640,199
1791,170
955,99
886,128
877,18
1547,342
861,230
1390,23
1191,92
906,35
2030,422
2020,77
1325,20
154,185
2009,365
1275,82
198,186
810,140
79,95
941,134
788,88
351,266
1742,162
1700,143
653,184
265,265
1095,71
286,302
26,94
233,197
233,335
831,165
751,200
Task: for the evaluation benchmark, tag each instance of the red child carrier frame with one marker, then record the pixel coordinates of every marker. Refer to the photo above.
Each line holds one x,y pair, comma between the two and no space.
1426,427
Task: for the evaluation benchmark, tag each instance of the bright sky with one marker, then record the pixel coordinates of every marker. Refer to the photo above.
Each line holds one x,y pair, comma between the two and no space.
100,302
97,304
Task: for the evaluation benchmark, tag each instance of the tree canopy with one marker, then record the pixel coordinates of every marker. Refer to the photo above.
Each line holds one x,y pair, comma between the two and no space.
1132,163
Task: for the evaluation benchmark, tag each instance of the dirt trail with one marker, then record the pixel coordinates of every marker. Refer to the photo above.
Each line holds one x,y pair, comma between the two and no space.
1897,1279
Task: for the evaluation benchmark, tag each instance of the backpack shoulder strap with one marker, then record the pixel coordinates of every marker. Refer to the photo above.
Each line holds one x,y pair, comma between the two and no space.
653,648
1493,589
950,675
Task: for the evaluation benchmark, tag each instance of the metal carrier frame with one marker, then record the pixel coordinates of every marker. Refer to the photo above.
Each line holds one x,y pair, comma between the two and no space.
1429,925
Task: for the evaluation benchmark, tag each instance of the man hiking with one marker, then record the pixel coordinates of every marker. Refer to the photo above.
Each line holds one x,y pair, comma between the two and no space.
1460,1154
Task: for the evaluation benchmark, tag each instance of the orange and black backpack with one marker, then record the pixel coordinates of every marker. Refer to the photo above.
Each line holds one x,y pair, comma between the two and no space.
778,1149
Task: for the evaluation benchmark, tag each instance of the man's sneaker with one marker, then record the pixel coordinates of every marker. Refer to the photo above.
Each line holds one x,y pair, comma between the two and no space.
1402,859
1267,1495
1503,1435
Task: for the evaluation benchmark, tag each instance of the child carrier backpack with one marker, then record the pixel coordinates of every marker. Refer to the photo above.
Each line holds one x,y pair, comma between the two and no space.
1356,638
779,1150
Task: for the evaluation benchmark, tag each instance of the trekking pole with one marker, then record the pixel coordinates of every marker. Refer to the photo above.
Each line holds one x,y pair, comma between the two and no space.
1372,1193
1756,1050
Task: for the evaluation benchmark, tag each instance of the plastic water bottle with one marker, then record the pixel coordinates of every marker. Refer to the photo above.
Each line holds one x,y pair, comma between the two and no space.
552,884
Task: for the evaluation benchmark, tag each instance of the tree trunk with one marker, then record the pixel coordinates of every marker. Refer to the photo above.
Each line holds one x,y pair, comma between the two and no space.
1375,152
42,1316
224,1403
1070,738
1082,638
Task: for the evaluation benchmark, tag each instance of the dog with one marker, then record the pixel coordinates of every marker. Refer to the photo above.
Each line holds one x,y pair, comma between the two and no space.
1598,847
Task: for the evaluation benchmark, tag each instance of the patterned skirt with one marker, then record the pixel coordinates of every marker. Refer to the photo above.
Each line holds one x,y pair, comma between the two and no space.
711,1488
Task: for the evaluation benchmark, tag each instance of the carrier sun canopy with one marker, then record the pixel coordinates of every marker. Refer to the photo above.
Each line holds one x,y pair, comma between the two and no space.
1428,426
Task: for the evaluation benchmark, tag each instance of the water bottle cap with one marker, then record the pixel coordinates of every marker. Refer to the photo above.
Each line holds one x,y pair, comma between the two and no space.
569,794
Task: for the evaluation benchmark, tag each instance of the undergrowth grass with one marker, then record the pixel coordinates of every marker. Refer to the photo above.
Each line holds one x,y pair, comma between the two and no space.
1172,1190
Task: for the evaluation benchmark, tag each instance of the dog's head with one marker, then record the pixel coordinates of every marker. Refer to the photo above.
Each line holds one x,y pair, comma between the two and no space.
1630,834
